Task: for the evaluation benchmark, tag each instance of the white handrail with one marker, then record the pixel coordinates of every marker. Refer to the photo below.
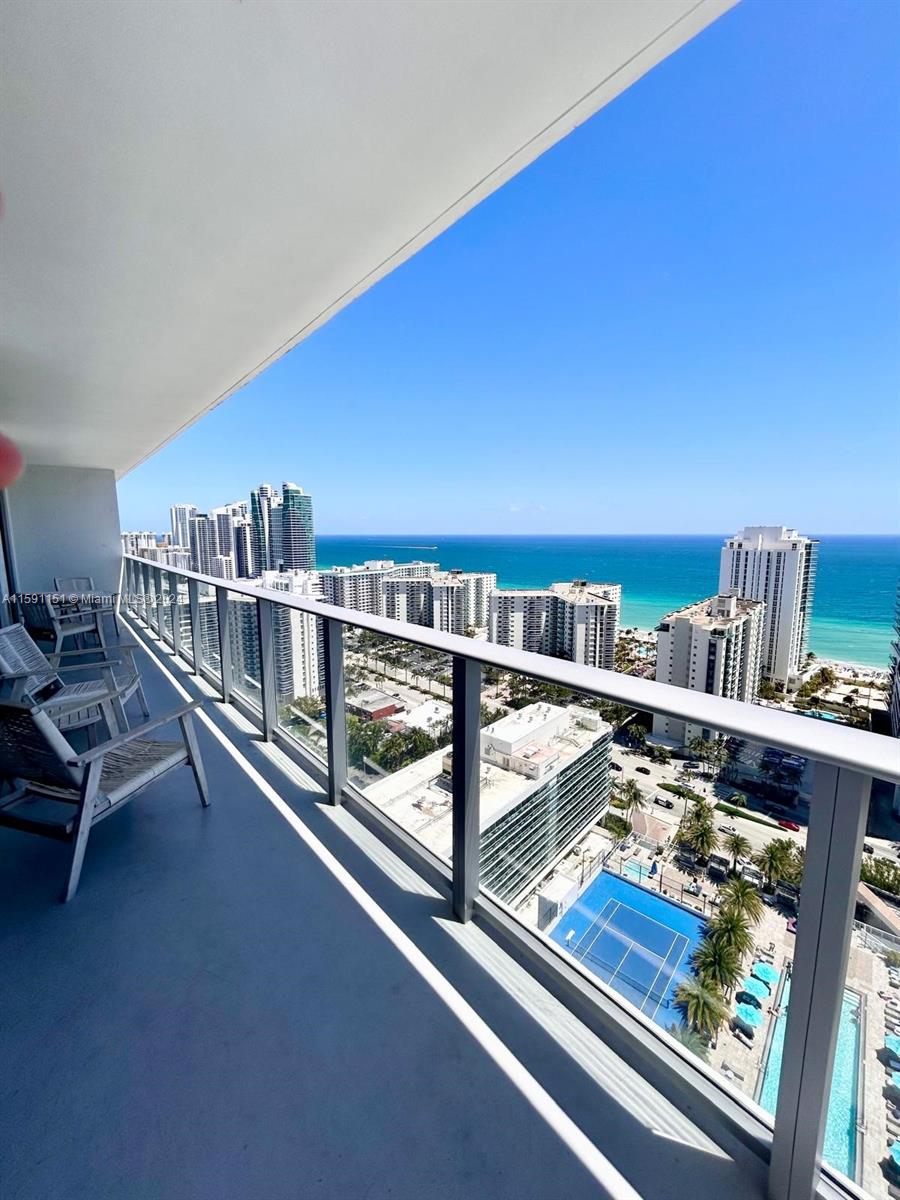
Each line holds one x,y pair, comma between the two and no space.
841,746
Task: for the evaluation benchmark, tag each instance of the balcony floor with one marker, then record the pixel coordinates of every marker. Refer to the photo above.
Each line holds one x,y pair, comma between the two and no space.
222,1012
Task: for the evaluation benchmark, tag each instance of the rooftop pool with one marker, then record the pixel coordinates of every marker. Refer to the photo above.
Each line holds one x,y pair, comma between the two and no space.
839,1150
637,941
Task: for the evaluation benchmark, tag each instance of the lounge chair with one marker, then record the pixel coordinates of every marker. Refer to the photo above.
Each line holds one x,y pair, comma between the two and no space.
25,670
86,600
62,795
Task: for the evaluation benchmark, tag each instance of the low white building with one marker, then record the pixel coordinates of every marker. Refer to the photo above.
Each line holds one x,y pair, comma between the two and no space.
544,781
713,646
578,620
360,587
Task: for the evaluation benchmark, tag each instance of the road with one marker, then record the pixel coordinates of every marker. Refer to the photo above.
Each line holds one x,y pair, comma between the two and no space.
755,833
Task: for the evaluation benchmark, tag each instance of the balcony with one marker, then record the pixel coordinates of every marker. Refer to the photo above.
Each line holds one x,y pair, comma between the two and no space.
263,999
303,983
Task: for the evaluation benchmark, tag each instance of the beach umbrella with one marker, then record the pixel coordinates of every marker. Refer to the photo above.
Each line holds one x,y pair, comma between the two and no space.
750,1016
895,1079
892,1043
895,1153
653,867
755,987
765,971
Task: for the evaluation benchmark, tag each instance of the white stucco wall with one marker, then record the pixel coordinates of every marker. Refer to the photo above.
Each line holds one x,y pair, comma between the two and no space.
65,521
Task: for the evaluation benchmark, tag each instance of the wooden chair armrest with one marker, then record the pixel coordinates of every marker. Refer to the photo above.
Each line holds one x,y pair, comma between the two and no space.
138,731
107,662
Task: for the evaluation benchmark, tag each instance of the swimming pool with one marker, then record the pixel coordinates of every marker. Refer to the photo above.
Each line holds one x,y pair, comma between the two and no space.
636,941
839,1150
636,871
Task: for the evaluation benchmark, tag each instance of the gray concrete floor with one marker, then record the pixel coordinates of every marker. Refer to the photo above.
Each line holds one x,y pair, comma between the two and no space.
217,1015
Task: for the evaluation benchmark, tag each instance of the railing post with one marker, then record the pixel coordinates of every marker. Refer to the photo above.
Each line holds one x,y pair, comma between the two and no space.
196,631
224,642
268,695
176,613
466,771
837,821
335,709
145,581
160,603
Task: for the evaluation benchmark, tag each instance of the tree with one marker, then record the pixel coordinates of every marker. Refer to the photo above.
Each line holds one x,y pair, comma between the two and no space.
690,1039
738,847
741,897
363,740
717,964
704,1007
631,798
702,837
700,748
768,690
731,928
774,859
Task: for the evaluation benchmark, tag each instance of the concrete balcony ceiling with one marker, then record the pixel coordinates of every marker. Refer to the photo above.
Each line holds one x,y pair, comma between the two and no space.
190,189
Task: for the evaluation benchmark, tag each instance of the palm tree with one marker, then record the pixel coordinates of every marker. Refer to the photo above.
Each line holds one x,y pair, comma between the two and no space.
690,1039
702,837
738,847
717,964
703,1006
631,798
774,859
731,928
699,748
741,897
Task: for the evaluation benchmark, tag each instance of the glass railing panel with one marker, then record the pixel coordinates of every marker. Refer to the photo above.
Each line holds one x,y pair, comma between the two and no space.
243,634
399,733
862,1126
209,630
300,678
168,599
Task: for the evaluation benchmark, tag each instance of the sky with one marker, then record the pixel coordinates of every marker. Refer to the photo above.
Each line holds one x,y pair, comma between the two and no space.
683,318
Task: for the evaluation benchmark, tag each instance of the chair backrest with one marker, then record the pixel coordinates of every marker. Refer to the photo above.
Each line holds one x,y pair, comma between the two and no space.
80,585
32,748
19,653
37,614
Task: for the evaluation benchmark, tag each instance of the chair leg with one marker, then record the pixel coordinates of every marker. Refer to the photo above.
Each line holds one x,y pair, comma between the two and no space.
190,741
142,700
83,826
110,716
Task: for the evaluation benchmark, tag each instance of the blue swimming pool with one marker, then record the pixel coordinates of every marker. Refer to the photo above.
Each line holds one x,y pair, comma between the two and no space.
839,1150
635,940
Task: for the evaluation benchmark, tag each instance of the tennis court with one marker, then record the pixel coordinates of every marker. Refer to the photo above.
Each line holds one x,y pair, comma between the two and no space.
635,940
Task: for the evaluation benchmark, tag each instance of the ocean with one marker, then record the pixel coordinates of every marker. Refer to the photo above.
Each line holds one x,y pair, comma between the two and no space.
856,586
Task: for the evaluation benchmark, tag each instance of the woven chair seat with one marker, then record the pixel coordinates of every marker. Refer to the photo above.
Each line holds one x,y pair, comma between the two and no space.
131,767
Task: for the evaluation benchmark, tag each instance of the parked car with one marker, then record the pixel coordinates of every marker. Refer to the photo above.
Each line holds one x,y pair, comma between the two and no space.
614,766
868,849
792,825
642,770
663,802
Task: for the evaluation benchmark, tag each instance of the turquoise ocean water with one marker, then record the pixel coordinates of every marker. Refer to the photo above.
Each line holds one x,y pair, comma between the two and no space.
855,594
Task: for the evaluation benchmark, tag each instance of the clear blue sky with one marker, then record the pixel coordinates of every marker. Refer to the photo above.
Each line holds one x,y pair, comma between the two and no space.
683,318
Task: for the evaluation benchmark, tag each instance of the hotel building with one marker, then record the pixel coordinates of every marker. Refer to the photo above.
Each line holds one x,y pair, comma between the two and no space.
577,620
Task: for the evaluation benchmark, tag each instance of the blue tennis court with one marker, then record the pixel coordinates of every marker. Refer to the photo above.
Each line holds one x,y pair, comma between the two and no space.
634,940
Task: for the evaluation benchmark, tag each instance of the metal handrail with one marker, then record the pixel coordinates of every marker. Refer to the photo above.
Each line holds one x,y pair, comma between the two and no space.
839,745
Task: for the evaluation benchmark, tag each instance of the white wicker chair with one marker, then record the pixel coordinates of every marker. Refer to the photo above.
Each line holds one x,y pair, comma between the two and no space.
25,670
62,795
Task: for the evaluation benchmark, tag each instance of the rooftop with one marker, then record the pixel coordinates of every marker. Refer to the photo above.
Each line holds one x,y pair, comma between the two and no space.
715,611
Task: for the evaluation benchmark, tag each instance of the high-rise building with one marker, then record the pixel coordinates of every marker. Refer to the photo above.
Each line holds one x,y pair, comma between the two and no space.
298,543
203,542
894,701
776,565
360,586
577,620
180,516
242,534
452,601
297,636
261,500
134,543
713,646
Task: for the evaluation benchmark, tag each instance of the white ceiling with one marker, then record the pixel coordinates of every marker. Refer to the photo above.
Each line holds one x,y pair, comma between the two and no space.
190,188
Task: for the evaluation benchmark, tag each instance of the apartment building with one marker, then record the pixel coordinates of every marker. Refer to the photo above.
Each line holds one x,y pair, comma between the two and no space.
778,566
361,586
577,620
452,601
713,646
